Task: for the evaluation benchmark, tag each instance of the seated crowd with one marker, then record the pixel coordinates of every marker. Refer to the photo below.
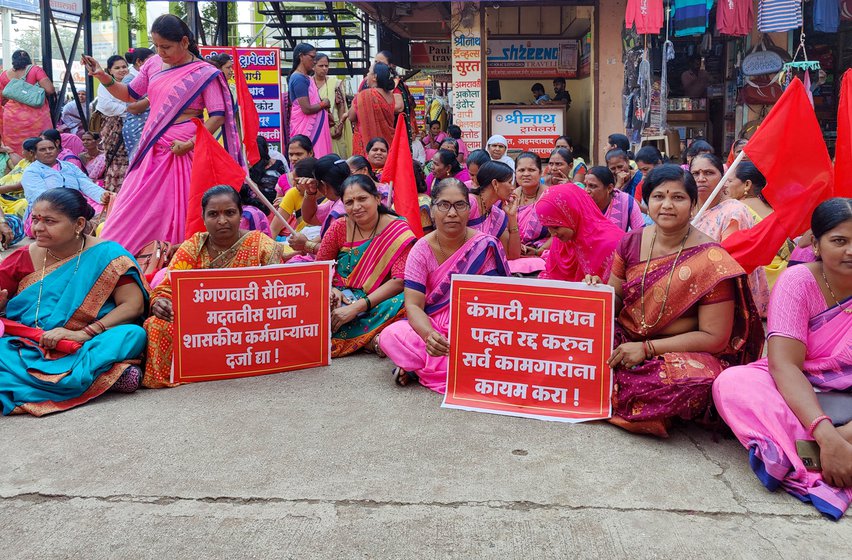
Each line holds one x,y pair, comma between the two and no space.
81,318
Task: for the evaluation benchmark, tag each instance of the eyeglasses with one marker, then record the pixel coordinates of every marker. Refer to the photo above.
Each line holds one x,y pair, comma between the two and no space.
443,206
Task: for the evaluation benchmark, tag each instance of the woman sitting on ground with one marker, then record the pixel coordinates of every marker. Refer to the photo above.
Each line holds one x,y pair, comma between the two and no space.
432,141
370,245
418,346
475,160
299,148
535,239
94,158
455,133
62,153
49,173
72,307
377,155
291,205
223,245
578,165
12,199
489,217
497,146
746,186
582,240
801,392
616,205
725,216
445,164
558,167
626,178
330,172
684,312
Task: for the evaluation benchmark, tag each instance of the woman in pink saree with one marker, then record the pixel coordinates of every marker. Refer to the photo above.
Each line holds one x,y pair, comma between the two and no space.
802,392
616,205
418,346
583,240
308,113
535,239
153,201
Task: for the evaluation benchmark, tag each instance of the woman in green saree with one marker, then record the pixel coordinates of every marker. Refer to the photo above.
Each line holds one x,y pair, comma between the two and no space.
370,245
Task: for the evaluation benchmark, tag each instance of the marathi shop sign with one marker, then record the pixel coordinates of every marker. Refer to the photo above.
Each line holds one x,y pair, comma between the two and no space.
532,58
532,129
467,77
431,56
262,69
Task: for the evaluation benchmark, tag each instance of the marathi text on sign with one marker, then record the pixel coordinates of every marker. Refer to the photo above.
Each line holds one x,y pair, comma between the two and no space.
250,321
533,348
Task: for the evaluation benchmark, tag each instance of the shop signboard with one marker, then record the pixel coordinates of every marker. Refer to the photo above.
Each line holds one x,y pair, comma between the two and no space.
467,71
435,55
262,68
532,58
530,128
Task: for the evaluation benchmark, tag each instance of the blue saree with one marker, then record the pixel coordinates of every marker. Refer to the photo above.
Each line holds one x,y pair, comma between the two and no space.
39,382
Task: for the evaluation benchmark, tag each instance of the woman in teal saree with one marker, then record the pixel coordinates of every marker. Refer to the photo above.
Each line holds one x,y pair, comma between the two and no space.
370,245
73,306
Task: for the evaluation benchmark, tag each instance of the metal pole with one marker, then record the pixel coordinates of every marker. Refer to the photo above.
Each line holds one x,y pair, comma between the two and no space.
46,41
87,49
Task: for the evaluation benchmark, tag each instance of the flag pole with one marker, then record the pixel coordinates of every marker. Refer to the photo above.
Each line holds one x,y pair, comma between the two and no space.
719,187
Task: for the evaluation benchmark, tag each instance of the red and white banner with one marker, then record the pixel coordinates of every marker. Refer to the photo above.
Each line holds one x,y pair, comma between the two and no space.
242,322
532,128
531,348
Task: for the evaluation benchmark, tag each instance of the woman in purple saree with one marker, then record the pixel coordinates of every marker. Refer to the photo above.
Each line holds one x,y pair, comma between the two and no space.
802,393
418,346
152,204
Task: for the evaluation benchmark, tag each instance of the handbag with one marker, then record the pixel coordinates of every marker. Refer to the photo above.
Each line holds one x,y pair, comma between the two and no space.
764,58
155,256
20,90
761,90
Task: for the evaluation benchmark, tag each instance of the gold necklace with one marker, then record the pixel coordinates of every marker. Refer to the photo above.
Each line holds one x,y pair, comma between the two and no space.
847,310
524,195
645,326
441,247
354,249
44,268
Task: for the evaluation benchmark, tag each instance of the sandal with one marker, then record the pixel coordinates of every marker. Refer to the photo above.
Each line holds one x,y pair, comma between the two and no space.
402,377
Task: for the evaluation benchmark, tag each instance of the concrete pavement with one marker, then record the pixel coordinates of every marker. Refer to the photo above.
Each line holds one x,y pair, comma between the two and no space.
338,462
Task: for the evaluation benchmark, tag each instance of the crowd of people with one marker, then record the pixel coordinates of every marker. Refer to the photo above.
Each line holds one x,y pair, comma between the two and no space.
82,317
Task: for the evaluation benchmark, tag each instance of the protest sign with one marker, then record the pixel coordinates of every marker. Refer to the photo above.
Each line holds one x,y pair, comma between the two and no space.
241,322
532,348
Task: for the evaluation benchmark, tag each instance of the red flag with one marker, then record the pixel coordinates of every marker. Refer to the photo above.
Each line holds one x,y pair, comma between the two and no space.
843,147
793,191
248,112
399,172
211,166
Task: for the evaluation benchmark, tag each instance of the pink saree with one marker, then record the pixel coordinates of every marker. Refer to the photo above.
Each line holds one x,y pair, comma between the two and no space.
313,126
750,403
532,234
482,254
152,203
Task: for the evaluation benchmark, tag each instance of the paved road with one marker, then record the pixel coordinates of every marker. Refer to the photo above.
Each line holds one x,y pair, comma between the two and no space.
338,462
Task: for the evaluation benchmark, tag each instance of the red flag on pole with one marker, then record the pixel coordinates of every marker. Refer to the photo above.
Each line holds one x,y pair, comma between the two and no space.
843,147
399,173
248,112
211,166
793,190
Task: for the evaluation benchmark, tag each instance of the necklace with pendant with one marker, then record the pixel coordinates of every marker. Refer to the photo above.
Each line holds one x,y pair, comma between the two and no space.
847,310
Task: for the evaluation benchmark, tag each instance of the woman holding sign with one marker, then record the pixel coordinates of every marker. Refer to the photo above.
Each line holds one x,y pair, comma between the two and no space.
72,306
223,245
686,312
419,346
370,245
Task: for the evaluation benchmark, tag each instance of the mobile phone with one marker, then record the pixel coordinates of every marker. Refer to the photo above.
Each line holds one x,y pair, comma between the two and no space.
808,452
348,296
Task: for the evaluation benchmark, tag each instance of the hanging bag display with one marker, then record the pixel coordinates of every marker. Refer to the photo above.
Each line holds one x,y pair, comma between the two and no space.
20,90
764,58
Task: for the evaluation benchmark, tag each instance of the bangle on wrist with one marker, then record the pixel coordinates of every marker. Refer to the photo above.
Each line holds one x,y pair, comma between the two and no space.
515,230
817,421
369,304
111,80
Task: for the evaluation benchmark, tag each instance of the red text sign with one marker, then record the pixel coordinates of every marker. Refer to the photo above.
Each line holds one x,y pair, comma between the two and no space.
243,322
533,348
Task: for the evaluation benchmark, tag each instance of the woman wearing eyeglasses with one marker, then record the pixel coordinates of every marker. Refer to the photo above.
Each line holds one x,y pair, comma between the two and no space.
418,346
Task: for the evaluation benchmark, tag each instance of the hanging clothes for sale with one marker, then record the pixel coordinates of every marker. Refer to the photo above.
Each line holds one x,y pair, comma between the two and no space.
690,17
779,15
646,14
826,15
735,17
